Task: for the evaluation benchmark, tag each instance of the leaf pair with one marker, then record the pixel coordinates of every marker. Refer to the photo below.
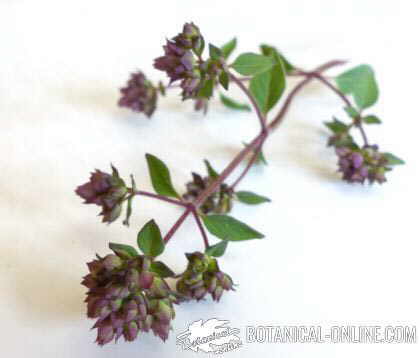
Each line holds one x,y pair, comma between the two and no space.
268,76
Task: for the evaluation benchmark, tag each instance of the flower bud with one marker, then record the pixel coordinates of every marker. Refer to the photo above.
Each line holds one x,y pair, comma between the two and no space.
105,190
139,94
203,276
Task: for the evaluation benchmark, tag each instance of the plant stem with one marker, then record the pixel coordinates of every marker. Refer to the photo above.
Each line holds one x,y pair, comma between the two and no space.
177,224
201,228
229,169
357,120
255,145
262,118
248,166
160,197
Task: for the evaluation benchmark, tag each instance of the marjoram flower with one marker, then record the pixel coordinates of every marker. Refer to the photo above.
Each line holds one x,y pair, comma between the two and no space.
139,94
220,202
360,165
179,62
127,298
105,190
203,276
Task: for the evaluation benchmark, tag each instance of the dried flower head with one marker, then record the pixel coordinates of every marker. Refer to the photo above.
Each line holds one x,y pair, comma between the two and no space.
203,276
105,190
139,94
127,298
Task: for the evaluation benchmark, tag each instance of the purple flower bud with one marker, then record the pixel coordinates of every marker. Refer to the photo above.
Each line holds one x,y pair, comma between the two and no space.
105,190
131,330
146,279
203,276
105,335
139,94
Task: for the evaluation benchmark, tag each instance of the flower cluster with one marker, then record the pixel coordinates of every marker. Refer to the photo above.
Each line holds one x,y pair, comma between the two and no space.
203,276
360,165
106,190
220,202
126,298
179,61
139,94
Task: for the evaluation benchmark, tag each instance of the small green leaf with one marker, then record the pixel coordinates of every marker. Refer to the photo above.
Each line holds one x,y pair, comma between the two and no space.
149,239
352,112
160,176
371,120
161,269
252,64
267,87
224,80
270,50
360,82
231,103
215,52
207,90
210,170
336,126
227,228
228,48
125,251
393,159
251,198
218,249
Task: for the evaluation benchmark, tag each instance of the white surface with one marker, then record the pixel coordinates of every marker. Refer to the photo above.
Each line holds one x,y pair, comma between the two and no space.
333,252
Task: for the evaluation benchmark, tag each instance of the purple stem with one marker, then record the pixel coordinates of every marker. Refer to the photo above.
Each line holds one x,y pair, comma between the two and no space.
201,228
254,145
161,197
177,224
260,115
248,166
357,120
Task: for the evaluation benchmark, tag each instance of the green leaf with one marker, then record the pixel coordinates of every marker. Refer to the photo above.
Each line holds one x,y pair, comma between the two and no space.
270,50
160,176
267,87
337,126
252,64
207,90
227,228
210,170
161,269
218,249
215,52
228,48
360,82
149,239
125,251
224,80
393,159
371,120
231,103
351,112
251,198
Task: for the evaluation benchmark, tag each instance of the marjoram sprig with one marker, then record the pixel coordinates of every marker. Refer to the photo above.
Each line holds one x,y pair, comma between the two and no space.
127,290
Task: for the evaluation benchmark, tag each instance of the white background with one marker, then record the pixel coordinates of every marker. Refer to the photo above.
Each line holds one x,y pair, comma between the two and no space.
333,252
